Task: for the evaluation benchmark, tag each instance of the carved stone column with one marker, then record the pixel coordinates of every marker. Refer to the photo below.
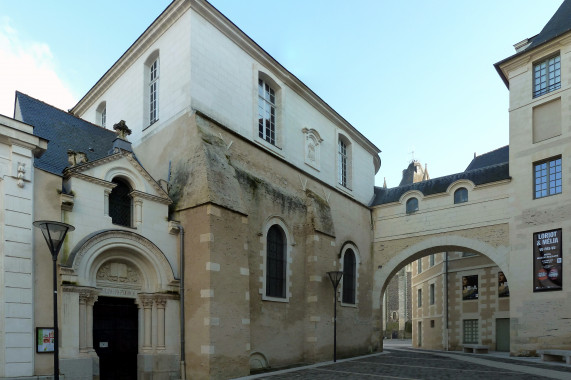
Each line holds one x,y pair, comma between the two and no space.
147,302
90,301
106,202
161,303
138,211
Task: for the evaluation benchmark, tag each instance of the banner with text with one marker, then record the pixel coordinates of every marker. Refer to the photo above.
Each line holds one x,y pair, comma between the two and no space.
547,260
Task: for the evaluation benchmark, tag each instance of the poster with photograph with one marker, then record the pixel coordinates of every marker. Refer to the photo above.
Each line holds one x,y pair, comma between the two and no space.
470,287
45,336
503,288
547,260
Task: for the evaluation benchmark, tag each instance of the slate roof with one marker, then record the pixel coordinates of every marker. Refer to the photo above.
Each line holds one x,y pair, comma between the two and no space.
486,168
491,158
559,24
63,131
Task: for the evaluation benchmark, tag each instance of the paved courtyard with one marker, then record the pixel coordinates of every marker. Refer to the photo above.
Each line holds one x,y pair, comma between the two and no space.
401,362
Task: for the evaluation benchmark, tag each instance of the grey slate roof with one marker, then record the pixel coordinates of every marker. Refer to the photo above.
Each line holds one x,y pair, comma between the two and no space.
486,168
559,24
491,158
63,131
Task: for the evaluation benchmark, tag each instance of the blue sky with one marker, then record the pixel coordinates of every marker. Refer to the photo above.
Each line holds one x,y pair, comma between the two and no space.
411,75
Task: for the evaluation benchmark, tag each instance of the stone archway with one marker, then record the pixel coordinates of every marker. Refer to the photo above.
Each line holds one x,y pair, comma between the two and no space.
120,264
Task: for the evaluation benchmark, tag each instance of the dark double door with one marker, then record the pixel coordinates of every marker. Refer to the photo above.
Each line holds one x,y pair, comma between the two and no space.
115,336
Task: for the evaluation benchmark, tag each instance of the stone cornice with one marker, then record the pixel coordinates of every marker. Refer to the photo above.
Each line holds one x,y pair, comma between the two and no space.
88,178
139,194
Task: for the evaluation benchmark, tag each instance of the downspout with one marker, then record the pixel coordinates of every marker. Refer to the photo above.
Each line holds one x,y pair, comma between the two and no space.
446,298
181,301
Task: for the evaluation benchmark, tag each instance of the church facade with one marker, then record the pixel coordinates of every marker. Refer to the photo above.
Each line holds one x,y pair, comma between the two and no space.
211,192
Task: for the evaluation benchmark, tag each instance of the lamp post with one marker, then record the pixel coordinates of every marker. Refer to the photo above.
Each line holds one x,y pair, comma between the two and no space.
335,277
54,233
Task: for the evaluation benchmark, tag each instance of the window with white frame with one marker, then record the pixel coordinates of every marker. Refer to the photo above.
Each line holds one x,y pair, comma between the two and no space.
154,91
547,177
546,76
267,112
344,161
101,112
470,331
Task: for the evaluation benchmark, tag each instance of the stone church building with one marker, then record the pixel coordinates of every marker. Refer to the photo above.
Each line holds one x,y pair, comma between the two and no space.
211,191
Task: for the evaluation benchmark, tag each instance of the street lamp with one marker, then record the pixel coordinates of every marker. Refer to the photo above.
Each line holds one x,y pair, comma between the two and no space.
335,277
54,233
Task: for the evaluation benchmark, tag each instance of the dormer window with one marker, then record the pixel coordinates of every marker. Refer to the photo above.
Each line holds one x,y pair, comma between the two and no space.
411,205
120,203
461,195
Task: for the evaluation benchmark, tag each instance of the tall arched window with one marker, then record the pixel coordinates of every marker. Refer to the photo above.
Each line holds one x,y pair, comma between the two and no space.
344,162
120,203
102,114
276,263
461,195
411,205
349,277
152,73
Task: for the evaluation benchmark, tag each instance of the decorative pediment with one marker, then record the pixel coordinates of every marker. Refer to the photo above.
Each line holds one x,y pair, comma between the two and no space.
97,172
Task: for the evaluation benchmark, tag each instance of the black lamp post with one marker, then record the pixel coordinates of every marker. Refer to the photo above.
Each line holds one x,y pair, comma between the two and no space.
54,233
335,277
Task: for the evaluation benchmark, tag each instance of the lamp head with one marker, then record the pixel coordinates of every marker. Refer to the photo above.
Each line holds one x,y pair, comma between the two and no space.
335,277
54,233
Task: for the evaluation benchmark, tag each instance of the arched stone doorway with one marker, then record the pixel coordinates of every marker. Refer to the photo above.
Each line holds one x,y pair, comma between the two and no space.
126,272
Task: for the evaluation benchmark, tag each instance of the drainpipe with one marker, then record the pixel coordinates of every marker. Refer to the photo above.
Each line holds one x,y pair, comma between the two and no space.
446,298
181,301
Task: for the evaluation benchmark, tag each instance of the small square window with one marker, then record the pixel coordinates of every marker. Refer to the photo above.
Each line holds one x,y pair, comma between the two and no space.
547,178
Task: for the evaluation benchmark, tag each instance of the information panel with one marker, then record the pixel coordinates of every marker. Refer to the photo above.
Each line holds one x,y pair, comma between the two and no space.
547,260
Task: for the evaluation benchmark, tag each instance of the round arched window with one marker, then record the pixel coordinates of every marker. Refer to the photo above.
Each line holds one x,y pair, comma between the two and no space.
120,203
411,205
461,195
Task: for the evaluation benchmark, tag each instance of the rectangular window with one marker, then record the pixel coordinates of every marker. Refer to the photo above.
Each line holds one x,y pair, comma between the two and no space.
154,92
432,294
419,266
419,297
342,163
470,329
266,112
547,178
546,76
432,260
470,287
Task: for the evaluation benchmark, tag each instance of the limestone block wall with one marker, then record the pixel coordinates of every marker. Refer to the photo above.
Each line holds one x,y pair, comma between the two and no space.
532,327
227,193
17,149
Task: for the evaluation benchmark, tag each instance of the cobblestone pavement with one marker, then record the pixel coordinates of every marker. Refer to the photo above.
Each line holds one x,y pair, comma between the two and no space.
404,363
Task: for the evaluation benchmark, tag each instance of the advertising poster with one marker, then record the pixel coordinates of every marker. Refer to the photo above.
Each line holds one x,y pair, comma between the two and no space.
45,336
547,261
470,287
503,288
